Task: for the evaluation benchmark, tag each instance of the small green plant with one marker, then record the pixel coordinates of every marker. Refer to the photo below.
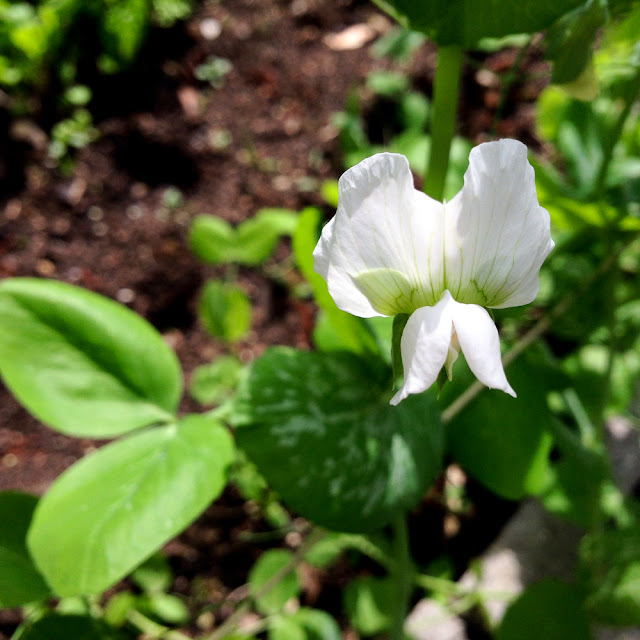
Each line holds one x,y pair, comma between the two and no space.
214,71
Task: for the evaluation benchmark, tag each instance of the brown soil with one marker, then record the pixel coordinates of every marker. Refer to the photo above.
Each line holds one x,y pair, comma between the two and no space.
106,226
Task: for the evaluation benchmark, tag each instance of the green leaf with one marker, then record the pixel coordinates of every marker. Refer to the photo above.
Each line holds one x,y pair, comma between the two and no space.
467,21
114,508
215,382
397,44
571,39
352,331
329,192
81,363
165,606
154,574
62,627
320,429
267,566
589,367
368,603
167,12
610,571
548,609
20,581
225,311
327,550
501,441
414,111
285,628
215,241
317,624
388,83
123,28
574,482
117,609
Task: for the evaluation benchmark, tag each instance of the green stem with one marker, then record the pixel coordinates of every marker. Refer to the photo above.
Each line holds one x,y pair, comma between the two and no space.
402,576
445,107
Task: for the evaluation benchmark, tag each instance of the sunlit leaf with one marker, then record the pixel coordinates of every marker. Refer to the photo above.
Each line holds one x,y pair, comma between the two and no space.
215,241
114,508
81,363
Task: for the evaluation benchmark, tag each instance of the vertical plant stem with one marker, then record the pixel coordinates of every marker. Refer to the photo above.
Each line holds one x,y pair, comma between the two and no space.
402,575
445,108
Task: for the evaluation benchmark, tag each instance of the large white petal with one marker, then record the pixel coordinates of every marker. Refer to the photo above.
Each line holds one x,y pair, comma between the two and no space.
382,252
496,234
424,346
480,344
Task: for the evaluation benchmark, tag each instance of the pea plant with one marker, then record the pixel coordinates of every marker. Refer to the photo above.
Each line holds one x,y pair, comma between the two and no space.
410,372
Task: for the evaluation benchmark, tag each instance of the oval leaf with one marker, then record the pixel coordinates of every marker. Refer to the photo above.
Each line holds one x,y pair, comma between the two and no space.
501,441
20,581
81,363
320,429
114,508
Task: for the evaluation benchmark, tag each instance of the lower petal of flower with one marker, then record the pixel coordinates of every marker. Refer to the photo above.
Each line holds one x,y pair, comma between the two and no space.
425,346
480,344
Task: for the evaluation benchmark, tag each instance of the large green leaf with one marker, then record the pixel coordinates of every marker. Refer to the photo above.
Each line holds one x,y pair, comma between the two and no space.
20,581
503,442
320,429
81,363
548,609
466,21
115,507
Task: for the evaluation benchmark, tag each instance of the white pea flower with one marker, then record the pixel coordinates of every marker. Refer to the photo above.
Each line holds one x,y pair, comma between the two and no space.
391,249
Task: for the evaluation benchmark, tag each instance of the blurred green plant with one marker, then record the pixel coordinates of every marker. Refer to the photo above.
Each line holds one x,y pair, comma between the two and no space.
214,71
45,43
37,38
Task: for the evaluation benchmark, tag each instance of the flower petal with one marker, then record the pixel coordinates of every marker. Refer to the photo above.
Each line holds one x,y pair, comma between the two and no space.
480,344
424,346
382,224
497,235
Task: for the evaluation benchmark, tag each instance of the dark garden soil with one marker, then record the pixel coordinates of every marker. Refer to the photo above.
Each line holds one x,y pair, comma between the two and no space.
107,226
